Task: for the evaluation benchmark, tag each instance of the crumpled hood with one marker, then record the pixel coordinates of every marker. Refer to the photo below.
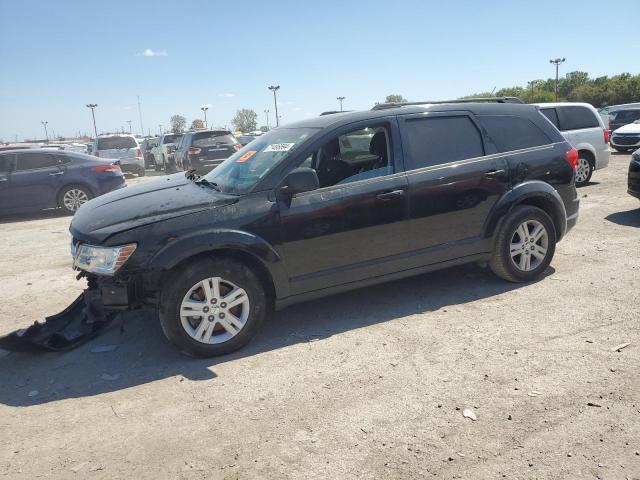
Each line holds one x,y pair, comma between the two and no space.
167,197
630,128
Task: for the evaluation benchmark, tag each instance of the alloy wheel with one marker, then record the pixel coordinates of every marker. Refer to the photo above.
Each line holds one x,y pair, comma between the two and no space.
74,198
214,310
582,171
529,244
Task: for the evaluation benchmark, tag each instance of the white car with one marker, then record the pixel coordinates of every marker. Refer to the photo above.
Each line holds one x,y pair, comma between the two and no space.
121,147
626,137
584,129
161,150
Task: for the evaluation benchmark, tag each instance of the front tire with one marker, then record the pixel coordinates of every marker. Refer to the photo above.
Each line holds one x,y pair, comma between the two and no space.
525,245
584,171
72,197
212,306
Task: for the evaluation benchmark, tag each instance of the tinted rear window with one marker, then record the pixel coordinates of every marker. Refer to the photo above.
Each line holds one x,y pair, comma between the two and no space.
627,116
575,118
110,143
209,139
510,132
437,140
171,138
33,160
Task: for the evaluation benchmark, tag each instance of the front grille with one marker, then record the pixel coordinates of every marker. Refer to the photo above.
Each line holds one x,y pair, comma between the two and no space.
626,139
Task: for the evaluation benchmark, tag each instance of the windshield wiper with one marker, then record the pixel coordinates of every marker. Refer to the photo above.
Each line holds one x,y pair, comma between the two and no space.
200,180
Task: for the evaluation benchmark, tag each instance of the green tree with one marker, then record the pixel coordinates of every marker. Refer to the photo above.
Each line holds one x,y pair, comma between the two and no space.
197,123
178,123
394,98
246,120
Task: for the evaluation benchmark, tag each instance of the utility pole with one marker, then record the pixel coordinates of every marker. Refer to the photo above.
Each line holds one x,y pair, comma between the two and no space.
140,115
129,122
46,133
557,63
267,114
93,106
204,109
274,89
340,99
160,128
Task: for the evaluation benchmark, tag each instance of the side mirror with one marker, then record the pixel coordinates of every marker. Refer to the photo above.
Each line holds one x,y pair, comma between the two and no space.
300,180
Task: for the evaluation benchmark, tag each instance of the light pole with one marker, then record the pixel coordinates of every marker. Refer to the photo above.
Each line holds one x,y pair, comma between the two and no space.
557,63
93,106
204,109
46,133
340,99
274,89
140,115
129,122
267,114
160,126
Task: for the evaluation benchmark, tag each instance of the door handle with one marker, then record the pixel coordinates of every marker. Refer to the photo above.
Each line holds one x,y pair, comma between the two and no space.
56,174
495,173
390,195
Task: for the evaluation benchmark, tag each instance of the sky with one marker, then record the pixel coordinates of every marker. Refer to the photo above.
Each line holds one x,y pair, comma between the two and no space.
58,56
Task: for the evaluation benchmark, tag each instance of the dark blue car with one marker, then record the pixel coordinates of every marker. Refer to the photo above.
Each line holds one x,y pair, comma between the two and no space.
32,180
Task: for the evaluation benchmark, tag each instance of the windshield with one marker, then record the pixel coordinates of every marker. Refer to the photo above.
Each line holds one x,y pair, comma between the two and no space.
110,143
241,171
171,138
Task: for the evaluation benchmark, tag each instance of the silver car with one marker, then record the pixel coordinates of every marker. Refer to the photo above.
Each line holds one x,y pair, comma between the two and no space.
121,147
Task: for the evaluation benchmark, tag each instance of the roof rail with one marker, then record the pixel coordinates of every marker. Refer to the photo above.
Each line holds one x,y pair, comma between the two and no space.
384,106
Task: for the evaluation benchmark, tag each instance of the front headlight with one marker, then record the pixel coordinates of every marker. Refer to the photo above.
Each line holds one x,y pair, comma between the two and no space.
102,260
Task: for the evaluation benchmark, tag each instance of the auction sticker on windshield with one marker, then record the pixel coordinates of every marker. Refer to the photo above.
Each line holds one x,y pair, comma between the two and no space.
246,156
279,147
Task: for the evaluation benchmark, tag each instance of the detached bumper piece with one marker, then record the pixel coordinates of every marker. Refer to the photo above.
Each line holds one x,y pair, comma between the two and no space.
81,321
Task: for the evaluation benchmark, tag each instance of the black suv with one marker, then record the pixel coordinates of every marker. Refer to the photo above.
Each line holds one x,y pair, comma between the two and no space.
204,150
330,204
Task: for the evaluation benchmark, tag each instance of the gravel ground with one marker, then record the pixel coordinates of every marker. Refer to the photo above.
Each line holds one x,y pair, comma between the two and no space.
370,384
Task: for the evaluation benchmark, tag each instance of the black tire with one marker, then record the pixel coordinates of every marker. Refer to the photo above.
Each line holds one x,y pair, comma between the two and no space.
141,172
501,262
67,190
588,164
181,281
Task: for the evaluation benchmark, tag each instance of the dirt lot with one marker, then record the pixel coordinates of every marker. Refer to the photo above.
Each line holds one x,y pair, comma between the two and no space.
370,384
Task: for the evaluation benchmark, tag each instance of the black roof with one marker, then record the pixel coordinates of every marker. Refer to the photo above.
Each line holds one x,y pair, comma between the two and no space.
480,108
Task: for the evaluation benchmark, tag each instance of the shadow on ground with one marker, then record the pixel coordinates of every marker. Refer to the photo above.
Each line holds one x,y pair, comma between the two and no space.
41,215
143,354
630,218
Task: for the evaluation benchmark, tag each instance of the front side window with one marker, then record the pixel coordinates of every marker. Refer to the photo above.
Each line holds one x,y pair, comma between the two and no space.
241,171
357,155
114,143
627,116
575,118
510,132
32,161
437,140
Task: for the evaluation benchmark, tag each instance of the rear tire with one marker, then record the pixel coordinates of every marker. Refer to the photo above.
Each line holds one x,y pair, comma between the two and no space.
524,246
202,287
73,197
141,172
584,171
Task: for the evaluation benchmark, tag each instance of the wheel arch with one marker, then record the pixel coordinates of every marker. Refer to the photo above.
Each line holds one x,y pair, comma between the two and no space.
535,193
247,248
74,184
589,155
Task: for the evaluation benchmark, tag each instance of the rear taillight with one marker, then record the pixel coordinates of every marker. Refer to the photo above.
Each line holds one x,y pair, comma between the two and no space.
107,168
237,146
572,158
195,150
138,153
607,135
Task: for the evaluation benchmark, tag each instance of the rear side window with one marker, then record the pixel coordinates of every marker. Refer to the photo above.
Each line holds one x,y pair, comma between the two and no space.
552,115
111,143
209,139
31,161
575,118
438,140
510,132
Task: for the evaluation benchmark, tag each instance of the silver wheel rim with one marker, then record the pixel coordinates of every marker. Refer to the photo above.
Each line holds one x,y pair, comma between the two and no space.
582,172
529,245
73,198
214,310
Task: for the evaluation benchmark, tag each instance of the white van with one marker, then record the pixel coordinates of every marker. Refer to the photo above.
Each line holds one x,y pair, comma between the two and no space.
584,129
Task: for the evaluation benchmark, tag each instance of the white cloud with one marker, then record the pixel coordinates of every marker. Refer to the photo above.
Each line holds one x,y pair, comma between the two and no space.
308,114
151,53
289,103
297,109
126,107
227,95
